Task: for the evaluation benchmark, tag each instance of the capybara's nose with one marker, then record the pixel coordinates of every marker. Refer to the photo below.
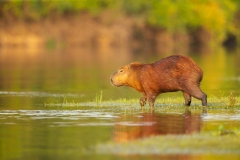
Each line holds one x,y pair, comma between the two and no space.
111,80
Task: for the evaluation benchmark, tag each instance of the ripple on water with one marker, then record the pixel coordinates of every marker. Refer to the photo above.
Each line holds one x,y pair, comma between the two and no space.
221,117
39,94
58,117
88,118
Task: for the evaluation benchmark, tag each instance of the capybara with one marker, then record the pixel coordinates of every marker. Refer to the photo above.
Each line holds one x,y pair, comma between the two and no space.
170,74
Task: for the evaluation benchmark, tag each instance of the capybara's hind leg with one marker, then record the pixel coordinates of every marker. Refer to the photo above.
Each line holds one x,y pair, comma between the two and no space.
197,93
187,98
204,100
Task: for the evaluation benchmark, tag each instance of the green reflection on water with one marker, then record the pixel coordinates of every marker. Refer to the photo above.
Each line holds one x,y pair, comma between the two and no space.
88,73
32,79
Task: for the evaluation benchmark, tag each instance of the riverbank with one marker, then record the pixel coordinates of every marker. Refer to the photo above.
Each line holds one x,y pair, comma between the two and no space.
103,33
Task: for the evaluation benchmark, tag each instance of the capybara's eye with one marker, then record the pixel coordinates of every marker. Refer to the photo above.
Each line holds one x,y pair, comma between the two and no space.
121,70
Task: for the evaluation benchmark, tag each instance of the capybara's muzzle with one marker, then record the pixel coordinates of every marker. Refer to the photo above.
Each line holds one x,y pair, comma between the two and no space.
111,80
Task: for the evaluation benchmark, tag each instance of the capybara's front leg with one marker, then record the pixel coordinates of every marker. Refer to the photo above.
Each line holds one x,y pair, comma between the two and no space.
187,98
143,100
151,100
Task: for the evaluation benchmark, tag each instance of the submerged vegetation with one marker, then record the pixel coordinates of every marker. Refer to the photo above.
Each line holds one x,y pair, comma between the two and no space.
176,144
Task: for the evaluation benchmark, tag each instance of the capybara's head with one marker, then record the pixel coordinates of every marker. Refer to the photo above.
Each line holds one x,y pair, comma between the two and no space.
120,77
125,75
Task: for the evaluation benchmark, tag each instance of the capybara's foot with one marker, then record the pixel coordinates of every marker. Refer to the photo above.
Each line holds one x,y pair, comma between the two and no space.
143,101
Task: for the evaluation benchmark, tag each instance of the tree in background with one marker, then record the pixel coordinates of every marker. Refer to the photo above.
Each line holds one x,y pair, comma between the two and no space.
218,17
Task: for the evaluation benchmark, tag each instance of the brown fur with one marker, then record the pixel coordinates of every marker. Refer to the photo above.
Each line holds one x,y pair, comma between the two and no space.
171,74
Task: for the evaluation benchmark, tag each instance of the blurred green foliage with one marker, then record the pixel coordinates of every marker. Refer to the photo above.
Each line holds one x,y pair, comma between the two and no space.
216,16
36,9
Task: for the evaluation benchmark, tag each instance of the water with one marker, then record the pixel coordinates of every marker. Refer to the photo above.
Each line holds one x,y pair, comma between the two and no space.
33,134
31,130
67,134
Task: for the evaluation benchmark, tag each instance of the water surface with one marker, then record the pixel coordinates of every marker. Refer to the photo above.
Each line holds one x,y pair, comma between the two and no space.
68,134
29,129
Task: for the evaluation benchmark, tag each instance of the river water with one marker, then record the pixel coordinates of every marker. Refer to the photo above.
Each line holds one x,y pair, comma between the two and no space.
30,79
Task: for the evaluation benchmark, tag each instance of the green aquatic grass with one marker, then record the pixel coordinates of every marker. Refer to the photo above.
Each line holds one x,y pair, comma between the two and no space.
175,144
230,102
98,98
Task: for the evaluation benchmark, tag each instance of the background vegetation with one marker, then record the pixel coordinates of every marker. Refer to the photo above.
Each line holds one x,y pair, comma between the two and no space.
219,17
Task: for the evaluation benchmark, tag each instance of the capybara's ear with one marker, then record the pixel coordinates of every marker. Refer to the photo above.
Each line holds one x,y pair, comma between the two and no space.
129,66
134,64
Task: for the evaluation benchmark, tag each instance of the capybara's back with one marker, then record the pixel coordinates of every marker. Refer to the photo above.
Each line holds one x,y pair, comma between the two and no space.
174,73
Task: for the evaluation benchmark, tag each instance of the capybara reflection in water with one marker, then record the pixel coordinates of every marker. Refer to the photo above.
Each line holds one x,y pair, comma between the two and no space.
170,74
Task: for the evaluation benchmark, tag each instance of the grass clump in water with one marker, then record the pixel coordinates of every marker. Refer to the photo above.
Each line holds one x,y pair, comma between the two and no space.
98,98
164,104
232,100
